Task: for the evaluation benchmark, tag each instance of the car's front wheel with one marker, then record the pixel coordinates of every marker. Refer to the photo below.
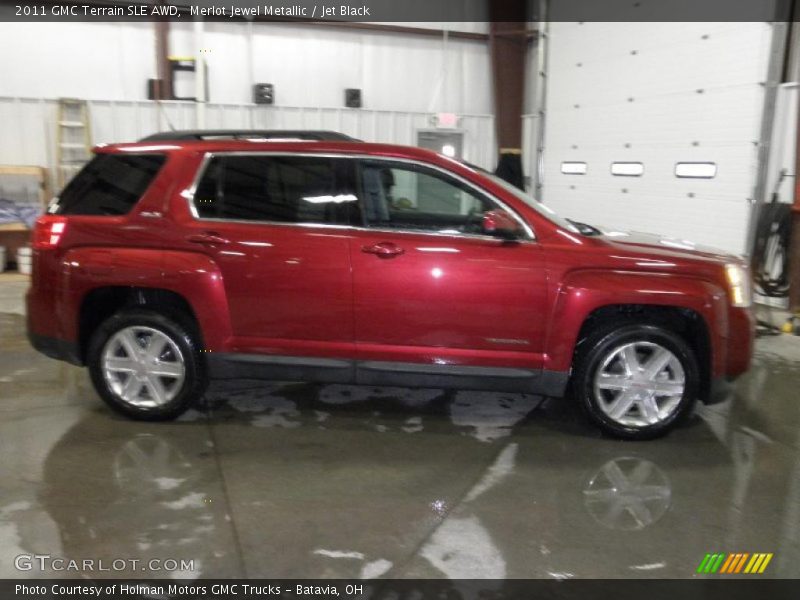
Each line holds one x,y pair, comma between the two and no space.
636,381
145,365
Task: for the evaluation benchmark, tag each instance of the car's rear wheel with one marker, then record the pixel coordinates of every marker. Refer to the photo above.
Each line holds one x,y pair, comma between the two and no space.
145,365
636,381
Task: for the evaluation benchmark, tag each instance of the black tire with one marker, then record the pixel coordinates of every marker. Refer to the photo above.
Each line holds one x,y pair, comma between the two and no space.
194,379
600,344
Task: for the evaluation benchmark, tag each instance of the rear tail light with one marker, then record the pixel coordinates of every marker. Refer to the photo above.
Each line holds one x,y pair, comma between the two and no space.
48,232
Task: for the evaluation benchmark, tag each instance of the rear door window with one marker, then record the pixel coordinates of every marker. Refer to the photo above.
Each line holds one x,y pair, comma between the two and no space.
282,189
110,184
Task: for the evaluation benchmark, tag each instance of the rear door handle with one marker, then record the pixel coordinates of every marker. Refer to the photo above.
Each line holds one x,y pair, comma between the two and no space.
383,250
210,238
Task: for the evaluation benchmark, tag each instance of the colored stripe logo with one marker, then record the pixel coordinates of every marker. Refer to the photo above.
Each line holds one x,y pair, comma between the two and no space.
735,563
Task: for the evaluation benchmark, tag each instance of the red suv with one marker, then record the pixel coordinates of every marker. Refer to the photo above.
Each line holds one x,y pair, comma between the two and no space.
168,262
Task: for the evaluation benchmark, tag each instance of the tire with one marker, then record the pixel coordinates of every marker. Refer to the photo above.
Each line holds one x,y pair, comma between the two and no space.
146,366
614,369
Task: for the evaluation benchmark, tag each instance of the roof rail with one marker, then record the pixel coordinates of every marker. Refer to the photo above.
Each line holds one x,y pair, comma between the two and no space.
249,134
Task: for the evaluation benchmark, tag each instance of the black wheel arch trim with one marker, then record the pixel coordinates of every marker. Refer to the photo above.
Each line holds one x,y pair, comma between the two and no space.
57,348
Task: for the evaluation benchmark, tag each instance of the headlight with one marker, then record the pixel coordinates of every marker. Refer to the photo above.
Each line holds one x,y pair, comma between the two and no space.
739,285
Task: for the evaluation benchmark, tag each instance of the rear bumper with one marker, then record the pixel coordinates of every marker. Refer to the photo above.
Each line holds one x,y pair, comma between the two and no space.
56,348
43,329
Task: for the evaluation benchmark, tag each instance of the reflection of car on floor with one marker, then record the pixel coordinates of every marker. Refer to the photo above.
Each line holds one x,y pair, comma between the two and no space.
166,262
627,493
145,499
518,506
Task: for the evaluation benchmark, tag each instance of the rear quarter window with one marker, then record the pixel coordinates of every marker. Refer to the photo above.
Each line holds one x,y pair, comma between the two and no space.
110,184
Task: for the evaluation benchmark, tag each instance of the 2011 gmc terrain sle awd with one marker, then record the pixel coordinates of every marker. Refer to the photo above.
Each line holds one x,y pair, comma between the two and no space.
166,263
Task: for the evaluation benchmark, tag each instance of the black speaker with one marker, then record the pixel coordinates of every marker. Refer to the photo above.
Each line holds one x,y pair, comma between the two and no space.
352,98
151,89
264,93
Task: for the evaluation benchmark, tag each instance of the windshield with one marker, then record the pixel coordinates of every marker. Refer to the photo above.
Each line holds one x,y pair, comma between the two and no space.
547,212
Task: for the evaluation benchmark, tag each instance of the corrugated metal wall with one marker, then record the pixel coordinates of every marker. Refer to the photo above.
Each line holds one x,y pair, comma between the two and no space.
28,125
656,93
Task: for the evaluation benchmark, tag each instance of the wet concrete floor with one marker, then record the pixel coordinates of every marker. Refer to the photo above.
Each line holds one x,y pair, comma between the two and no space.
296,480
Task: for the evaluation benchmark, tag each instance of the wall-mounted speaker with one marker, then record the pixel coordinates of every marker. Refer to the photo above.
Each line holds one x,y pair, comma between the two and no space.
352,98
152,84
264,93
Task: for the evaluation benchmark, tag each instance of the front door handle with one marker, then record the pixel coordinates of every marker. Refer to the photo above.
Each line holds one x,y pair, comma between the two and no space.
210,238
383,250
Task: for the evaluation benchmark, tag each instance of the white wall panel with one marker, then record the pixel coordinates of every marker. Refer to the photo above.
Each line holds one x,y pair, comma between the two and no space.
28,125
404,79
81,60
310,66
657,93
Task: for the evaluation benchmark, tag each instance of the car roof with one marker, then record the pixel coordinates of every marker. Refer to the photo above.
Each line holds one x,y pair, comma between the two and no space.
300,146
215,134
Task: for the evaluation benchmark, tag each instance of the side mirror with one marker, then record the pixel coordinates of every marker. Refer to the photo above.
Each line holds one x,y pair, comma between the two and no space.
500,224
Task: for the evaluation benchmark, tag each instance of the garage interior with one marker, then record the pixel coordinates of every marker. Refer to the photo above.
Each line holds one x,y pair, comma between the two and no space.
688,130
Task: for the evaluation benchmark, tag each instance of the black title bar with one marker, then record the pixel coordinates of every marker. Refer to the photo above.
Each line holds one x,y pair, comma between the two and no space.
706,588
396,10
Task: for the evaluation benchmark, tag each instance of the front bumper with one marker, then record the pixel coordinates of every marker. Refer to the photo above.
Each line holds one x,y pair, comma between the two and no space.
739,345
741,340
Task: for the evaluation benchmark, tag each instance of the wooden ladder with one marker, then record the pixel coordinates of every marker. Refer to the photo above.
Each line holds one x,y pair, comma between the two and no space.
73,138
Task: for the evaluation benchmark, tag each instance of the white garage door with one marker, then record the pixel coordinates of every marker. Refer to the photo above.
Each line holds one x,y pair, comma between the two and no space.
650,96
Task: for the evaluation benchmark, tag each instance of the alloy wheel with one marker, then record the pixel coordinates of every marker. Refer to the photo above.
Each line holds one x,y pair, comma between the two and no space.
639,384
143,366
